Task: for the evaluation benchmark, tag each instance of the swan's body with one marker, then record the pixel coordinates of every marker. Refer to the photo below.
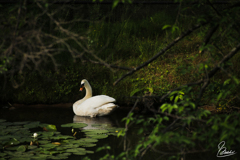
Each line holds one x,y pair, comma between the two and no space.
93,106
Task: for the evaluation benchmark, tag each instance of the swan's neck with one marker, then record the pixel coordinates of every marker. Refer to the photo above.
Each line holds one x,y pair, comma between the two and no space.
88,91
88,95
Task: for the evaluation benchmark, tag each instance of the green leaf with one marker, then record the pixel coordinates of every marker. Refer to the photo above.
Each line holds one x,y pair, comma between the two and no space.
87,140
115,3
95,131
21,148
180,109
219,96
226,82
32,125
166,118
74,125
49,127
176,99
166,26
164,107
150,89
236,80
135,91
215,127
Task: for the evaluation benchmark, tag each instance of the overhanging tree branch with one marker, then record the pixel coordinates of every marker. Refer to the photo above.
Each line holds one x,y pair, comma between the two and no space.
112,66
209,75
161,52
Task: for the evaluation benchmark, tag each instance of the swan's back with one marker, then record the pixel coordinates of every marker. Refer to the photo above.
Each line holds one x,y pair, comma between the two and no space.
95,106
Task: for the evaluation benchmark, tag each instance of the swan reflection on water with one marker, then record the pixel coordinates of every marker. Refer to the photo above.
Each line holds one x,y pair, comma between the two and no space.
93,123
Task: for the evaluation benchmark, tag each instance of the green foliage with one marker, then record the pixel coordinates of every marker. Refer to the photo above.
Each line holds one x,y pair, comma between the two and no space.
126,39
193,128
182,123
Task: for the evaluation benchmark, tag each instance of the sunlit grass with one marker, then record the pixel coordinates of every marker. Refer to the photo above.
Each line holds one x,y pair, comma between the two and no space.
126,42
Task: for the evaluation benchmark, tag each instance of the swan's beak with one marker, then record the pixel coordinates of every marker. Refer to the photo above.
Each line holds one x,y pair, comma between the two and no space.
81,87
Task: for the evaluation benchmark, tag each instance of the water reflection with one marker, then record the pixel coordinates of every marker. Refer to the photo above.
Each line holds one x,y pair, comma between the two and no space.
94,123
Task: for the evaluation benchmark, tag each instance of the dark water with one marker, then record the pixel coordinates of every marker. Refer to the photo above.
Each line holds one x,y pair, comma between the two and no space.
58,116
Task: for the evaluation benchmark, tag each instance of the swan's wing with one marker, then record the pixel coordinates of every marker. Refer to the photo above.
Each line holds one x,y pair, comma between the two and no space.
91,106
106,109
98,101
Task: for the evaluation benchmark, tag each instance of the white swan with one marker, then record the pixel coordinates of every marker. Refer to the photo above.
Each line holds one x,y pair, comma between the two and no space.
93,106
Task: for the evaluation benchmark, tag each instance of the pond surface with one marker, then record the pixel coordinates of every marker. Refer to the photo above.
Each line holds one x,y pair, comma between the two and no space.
60,116
112,123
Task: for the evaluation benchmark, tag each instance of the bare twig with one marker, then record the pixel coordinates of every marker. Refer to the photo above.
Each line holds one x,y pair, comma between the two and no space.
112,66
208,36
214,8
205,84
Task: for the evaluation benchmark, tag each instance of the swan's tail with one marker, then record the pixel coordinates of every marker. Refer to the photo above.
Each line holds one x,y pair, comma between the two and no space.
107,109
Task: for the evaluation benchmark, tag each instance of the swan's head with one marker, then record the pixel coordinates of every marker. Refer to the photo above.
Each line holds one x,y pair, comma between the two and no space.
83,83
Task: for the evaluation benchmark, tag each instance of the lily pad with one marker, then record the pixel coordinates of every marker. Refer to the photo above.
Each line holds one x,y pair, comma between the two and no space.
12,148
88,145
91,152
17,158
77,151
20,123
48,127
48,146
2,120
14,137
21,148
45,134
5,138
99,136
74,125
2,127
25,139
69,146
61,137
32,125
12,141
2,154
22,131
44,141
31,147
95,131
59,156
87,140
6,124
80,153
40,156
103,126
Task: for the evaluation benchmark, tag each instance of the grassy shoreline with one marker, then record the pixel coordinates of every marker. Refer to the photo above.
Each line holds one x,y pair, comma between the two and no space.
124,42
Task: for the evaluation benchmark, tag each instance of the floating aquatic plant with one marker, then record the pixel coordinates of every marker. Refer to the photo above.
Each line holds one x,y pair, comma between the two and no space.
18,142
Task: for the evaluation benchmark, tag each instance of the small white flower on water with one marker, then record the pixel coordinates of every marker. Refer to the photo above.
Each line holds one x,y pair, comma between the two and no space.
12,143
35,135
